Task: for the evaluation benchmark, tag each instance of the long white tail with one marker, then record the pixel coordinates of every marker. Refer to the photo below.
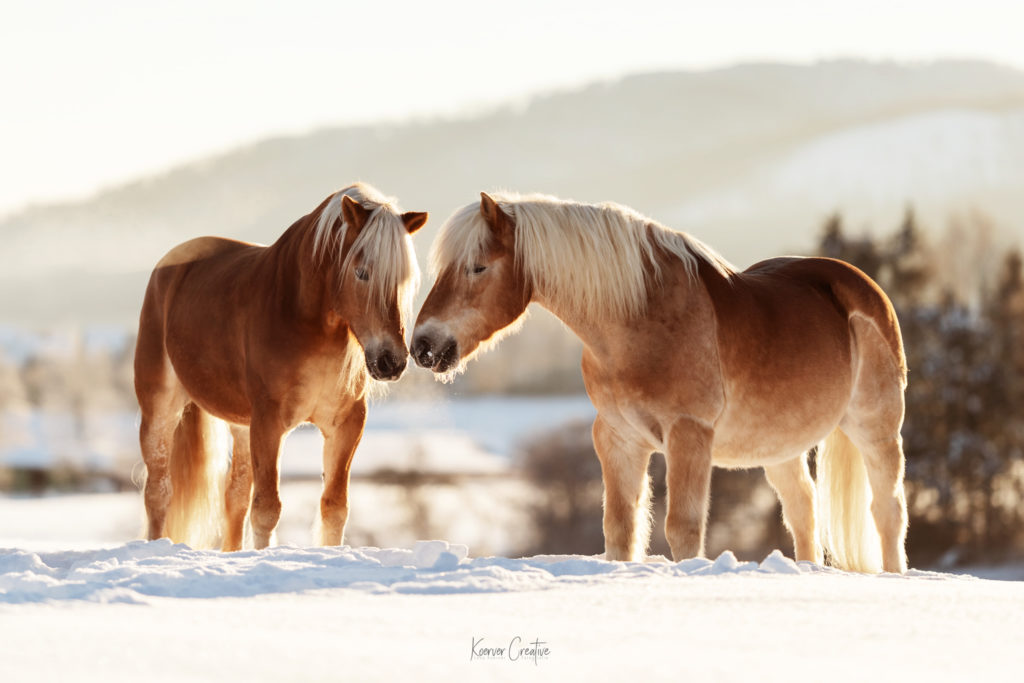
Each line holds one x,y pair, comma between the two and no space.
198,470
845,525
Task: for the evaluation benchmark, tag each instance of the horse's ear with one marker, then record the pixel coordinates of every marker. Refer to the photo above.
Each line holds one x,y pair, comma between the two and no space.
492,213
414,220
354,214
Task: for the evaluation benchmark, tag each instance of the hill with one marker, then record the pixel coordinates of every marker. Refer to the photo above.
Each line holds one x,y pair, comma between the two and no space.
748,158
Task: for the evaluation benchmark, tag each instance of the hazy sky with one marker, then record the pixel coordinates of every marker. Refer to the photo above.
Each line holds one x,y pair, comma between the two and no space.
101,91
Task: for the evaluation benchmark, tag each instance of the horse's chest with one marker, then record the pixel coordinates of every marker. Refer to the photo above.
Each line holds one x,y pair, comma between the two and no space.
326,383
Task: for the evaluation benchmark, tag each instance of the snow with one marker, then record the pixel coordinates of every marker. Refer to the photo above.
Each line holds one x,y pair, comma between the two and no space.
495,423
928,156
80,600
941,161
138,571
160,612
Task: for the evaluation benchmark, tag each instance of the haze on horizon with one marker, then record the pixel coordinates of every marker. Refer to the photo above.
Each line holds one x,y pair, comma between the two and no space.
104,92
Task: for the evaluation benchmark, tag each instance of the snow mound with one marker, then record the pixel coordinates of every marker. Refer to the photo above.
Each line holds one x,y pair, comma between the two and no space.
140,570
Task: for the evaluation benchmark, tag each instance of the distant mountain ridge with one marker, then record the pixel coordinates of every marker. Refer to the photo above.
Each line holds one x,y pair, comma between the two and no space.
748,158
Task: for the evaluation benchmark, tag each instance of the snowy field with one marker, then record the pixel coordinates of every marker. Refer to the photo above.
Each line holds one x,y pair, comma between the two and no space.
99,610
81,600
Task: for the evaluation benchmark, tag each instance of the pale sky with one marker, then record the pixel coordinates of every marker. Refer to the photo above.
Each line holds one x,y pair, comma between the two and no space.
95,93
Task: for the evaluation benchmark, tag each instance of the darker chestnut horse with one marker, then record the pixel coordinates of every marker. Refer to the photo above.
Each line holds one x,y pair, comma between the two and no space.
686,356
265,338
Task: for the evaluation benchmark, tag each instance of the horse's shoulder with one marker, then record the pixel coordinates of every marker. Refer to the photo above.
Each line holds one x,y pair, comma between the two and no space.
200,248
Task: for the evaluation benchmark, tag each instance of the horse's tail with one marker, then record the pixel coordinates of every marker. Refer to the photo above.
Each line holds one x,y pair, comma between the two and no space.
845,524
198,470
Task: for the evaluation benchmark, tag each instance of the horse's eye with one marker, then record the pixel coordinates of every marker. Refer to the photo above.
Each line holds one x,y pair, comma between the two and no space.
362,273
479,269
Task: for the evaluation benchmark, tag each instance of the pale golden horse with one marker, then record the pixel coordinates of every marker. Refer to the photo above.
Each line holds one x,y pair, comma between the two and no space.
265,338
686,356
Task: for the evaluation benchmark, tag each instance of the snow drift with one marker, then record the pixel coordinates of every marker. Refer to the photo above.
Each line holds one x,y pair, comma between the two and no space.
140,570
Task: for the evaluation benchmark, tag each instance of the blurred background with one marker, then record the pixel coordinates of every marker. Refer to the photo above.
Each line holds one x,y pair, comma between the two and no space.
888,136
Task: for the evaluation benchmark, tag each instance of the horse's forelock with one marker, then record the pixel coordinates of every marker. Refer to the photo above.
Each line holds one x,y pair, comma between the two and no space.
460,241
384,242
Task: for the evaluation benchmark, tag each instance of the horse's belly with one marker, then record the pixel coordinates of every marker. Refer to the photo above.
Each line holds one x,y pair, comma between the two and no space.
769,434
758,450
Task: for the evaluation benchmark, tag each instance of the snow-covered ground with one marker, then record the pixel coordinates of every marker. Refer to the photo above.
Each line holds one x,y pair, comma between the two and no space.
101,610
80,600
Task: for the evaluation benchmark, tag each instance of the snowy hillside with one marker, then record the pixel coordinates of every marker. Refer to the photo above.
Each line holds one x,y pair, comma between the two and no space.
941,162
748,158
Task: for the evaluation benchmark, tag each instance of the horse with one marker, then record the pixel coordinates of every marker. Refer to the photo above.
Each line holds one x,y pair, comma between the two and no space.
264,338
685,355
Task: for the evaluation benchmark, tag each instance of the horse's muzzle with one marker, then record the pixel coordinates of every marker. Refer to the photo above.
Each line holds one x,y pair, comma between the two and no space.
440,357
384,365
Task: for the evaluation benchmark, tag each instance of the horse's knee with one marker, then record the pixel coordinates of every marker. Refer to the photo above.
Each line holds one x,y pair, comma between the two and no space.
333,508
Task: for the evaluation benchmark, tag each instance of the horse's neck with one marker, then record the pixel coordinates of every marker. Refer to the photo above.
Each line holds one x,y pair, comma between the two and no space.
613,336
300,286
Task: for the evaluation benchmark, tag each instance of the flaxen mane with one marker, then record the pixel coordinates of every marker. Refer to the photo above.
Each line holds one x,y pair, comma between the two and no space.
384,242
595,259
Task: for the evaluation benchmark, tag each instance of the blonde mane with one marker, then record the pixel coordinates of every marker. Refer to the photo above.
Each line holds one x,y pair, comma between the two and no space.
593,259
384,242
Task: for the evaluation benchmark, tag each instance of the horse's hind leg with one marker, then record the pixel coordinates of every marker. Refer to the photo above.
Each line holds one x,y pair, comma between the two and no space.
339,449
238,494
883,459
626,494
161,402
872,423
795,488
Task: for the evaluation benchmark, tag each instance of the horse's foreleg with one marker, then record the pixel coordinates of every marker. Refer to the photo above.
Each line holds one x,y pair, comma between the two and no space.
627,492
795,488
265,436
340,444
238,494
688,474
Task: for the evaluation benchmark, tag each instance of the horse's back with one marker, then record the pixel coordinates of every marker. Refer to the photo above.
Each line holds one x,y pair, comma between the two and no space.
205,262
200,248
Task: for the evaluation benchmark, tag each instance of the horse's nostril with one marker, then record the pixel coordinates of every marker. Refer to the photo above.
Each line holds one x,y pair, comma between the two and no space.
422,352
386,364
447,357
